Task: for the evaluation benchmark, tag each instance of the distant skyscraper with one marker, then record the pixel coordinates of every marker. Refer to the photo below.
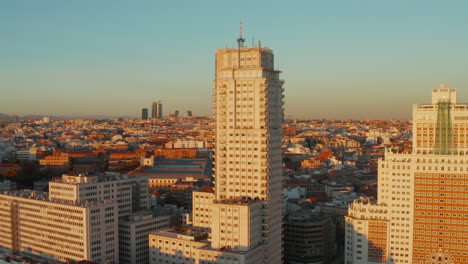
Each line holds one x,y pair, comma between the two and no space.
176,113
189,113
144,113
157,110
421,212
244,212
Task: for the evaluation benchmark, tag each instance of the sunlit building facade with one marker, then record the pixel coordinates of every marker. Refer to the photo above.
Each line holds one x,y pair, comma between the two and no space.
422,197
129,191
242,218
79,219
33,225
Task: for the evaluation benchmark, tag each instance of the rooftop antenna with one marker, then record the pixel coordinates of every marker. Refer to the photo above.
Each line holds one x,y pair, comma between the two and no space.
240,40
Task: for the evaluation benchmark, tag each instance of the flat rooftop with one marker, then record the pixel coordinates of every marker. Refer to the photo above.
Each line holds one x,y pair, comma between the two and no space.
44,196
83,179
176,169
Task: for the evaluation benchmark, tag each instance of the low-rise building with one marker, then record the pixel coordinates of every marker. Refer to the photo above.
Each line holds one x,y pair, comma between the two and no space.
166,172
59,159
26,154
184,245
309,238
133,236
367,226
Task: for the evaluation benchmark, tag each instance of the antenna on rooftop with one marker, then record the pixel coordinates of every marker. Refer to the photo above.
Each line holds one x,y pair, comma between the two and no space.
240,40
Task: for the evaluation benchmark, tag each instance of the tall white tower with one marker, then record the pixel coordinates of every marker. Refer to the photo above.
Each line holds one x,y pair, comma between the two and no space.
241,220
248,107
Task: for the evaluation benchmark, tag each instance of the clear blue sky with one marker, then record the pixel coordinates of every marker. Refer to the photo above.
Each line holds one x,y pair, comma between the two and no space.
340,59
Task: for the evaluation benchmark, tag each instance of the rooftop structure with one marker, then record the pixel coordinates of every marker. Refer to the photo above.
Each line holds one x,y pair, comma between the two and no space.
166,172
129,191
439,127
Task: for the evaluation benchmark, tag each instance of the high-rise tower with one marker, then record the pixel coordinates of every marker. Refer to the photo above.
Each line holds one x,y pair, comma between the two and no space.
248,109
156,111
144,113
243,214
421,212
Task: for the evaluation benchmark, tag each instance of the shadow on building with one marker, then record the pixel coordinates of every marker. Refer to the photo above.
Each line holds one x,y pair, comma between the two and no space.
367,249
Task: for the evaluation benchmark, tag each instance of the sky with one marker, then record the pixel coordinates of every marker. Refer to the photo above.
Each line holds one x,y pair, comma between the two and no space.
340,59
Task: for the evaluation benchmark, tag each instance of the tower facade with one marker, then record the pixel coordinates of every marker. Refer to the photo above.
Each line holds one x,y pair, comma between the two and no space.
156,111
144,113
249,115
420,215
242,217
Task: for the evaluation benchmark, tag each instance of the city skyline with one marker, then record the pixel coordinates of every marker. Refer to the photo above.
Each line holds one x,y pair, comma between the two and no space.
246,185
341,60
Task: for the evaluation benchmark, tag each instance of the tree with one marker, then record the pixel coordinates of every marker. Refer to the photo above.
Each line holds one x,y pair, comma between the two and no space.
127,167
311,142
172,199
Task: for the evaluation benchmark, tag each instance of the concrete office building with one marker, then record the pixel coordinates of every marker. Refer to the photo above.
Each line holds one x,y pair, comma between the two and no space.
133,235
129,191
128,194
309,238
32,224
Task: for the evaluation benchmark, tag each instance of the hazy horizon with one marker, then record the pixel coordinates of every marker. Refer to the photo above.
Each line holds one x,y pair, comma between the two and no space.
340,60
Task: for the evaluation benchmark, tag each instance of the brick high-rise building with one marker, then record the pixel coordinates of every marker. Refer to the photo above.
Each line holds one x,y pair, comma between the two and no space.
421,213
243,215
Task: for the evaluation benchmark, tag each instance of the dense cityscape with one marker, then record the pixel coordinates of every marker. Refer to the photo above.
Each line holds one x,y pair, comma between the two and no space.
116,149
243,187
326,165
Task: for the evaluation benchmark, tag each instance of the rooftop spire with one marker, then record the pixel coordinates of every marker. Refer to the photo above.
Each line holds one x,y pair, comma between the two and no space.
240,40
